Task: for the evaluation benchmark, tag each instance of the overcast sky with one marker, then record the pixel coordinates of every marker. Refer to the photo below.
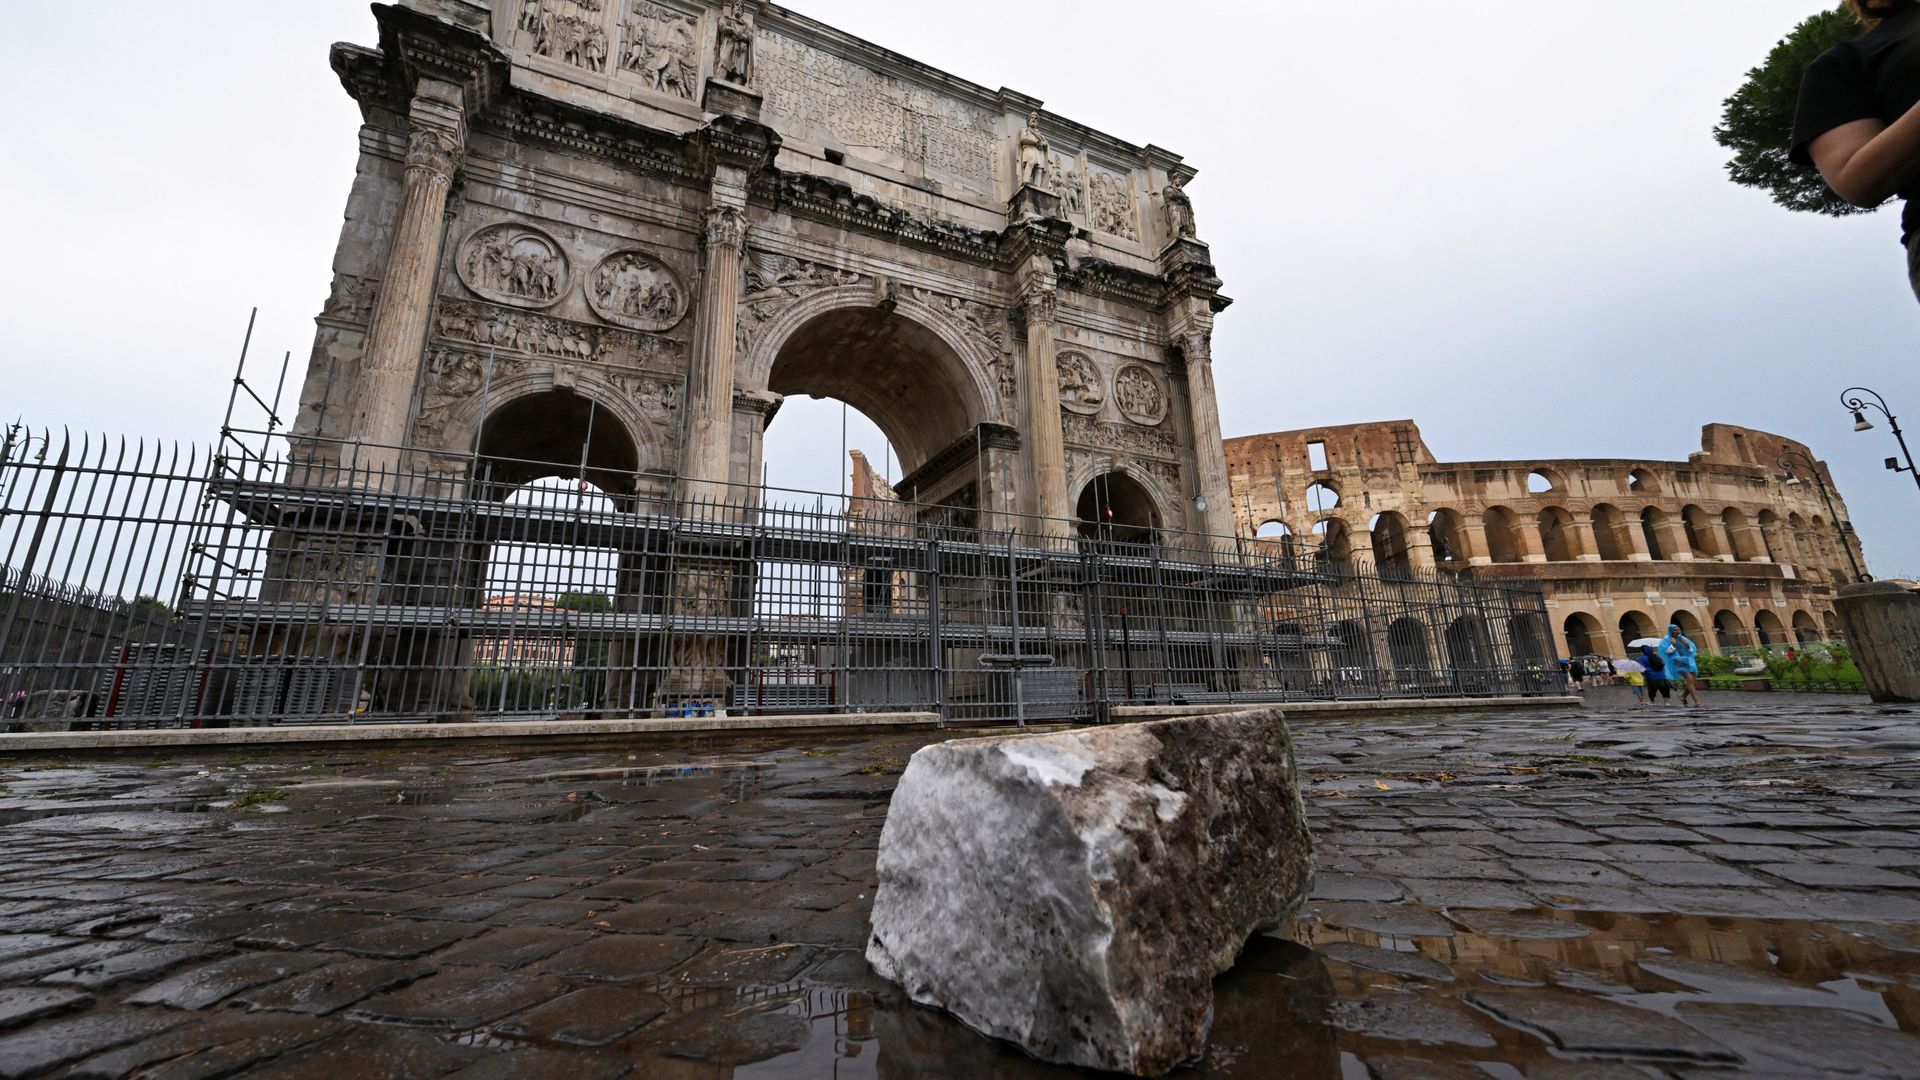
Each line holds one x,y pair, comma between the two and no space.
1507,222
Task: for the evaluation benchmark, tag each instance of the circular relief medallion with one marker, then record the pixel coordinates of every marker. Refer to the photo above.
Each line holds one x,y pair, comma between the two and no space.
514,264
634,289
1080,388
1138,393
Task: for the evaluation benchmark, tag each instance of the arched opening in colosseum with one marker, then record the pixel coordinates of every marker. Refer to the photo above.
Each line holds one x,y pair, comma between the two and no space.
1636,625
1610,533
1114,506
1730,631
1322,497
1835,631
1700,533
1653,526
1545,481
1332,541
1503,535
1468,646
1529,636
1352,651
1407,644
1584,634
1805,630
1768,629
1447,530
1772,536
1746,540
1690,625
1557,537
1276,539
1643,482
1392,554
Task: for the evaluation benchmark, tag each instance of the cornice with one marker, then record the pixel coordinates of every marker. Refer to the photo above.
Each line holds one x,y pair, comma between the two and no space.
831,202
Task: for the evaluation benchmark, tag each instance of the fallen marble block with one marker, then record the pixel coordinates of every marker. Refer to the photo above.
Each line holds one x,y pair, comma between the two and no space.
1077,893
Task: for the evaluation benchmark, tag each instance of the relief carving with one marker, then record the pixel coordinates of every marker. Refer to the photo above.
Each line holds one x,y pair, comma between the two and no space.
660,47
567,30
986,323
449,377
774,279
1080,385
514,264
352,299
1138,393
1128,438
656,400
558,339
634,289
1070,184
735,61
1113,210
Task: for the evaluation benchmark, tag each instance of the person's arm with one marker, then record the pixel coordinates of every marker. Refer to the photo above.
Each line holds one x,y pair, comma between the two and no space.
1866,161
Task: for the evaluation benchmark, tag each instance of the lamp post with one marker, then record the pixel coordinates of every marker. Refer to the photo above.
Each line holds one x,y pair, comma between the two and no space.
1788,461
1859,400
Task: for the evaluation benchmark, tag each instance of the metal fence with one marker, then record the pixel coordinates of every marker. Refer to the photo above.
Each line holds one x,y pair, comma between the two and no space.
162,586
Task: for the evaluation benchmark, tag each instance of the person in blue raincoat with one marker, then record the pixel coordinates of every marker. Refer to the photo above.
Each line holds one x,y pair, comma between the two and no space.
1683,664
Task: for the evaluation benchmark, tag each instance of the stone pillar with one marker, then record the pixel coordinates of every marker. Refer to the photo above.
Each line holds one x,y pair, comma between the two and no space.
1526,540
1043,435
1636,537
707,464
436,139
1752,538
1420,552
1722,541
1586,544
1210,454
1473,529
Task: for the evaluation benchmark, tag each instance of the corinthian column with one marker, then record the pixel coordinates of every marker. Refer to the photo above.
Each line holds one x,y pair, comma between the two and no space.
436,139
1209,453
709,454
1041,429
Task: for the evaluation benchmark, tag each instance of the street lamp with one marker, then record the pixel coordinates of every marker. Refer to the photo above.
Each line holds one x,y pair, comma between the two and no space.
1788,461
1857,400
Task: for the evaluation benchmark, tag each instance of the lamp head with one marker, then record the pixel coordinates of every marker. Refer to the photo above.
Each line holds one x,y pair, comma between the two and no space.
1893,465
1860,421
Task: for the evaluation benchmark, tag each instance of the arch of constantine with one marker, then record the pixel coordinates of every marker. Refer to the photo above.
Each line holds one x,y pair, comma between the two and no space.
622,230
1725,544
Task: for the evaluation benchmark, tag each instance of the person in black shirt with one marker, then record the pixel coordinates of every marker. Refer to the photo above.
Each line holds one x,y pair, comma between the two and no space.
1858,121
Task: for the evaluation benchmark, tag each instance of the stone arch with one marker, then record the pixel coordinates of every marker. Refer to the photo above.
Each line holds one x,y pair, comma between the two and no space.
491,424
1529,637
1730,630
1409,645
1351,647
1118,506
1805,629
1610,533
1546,480
1643,481
1322,496
915,369
1583,633
1654,523
1701,535
1503,535
1835,630
1447,531
1557,537
1768,630
1744,538
1275,539
1332,540
1635,625
1392,554
1773,537
1168,513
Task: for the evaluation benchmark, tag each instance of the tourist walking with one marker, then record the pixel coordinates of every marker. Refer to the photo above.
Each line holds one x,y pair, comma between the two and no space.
1683,664
1859,116
1577,674
1658,686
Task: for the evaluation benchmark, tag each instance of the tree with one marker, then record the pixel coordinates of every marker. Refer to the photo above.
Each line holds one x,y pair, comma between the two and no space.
1757,124
591,603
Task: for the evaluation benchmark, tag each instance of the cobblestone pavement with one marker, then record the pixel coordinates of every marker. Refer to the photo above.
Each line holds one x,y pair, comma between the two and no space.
1593,895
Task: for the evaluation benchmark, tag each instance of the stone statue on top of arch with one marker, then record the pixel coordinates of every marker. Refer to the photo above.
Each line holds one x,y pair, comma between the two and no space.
735,63
1179,210
1036,166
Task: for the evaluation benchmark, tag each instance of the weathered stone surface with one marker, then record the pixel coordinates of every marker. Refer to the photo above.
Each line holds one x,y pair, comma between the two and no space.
1882,620
1114,871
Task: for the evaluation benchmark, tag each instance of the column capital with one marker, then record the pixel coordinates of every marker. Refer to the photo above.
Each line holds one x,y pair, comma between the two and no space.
1039,299
434,152
726,227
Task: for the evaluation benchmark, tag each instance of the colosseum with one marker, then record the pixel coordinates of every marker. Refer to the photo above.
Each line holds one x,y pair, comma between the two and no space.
1732,545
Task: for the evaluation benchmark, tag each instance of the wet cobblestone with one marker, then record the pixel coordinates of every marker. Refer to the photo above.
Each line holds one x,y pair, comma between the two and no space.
1575,894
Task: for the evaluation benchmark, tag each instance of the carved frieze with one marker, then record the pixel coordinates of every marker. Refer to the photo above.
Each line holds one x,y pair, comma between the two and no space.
558,339
1070,184
662,47
1141,398
571,31
989,324
352,299
1113,205
514,264
451,376
636,290
1126,438
1081,387
657,400
773,281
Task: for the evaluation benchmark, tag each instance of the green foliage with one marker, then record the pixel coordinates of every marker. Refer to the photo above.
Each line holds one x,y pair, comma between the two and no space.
253,799
1757,123
1711,666
591,603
